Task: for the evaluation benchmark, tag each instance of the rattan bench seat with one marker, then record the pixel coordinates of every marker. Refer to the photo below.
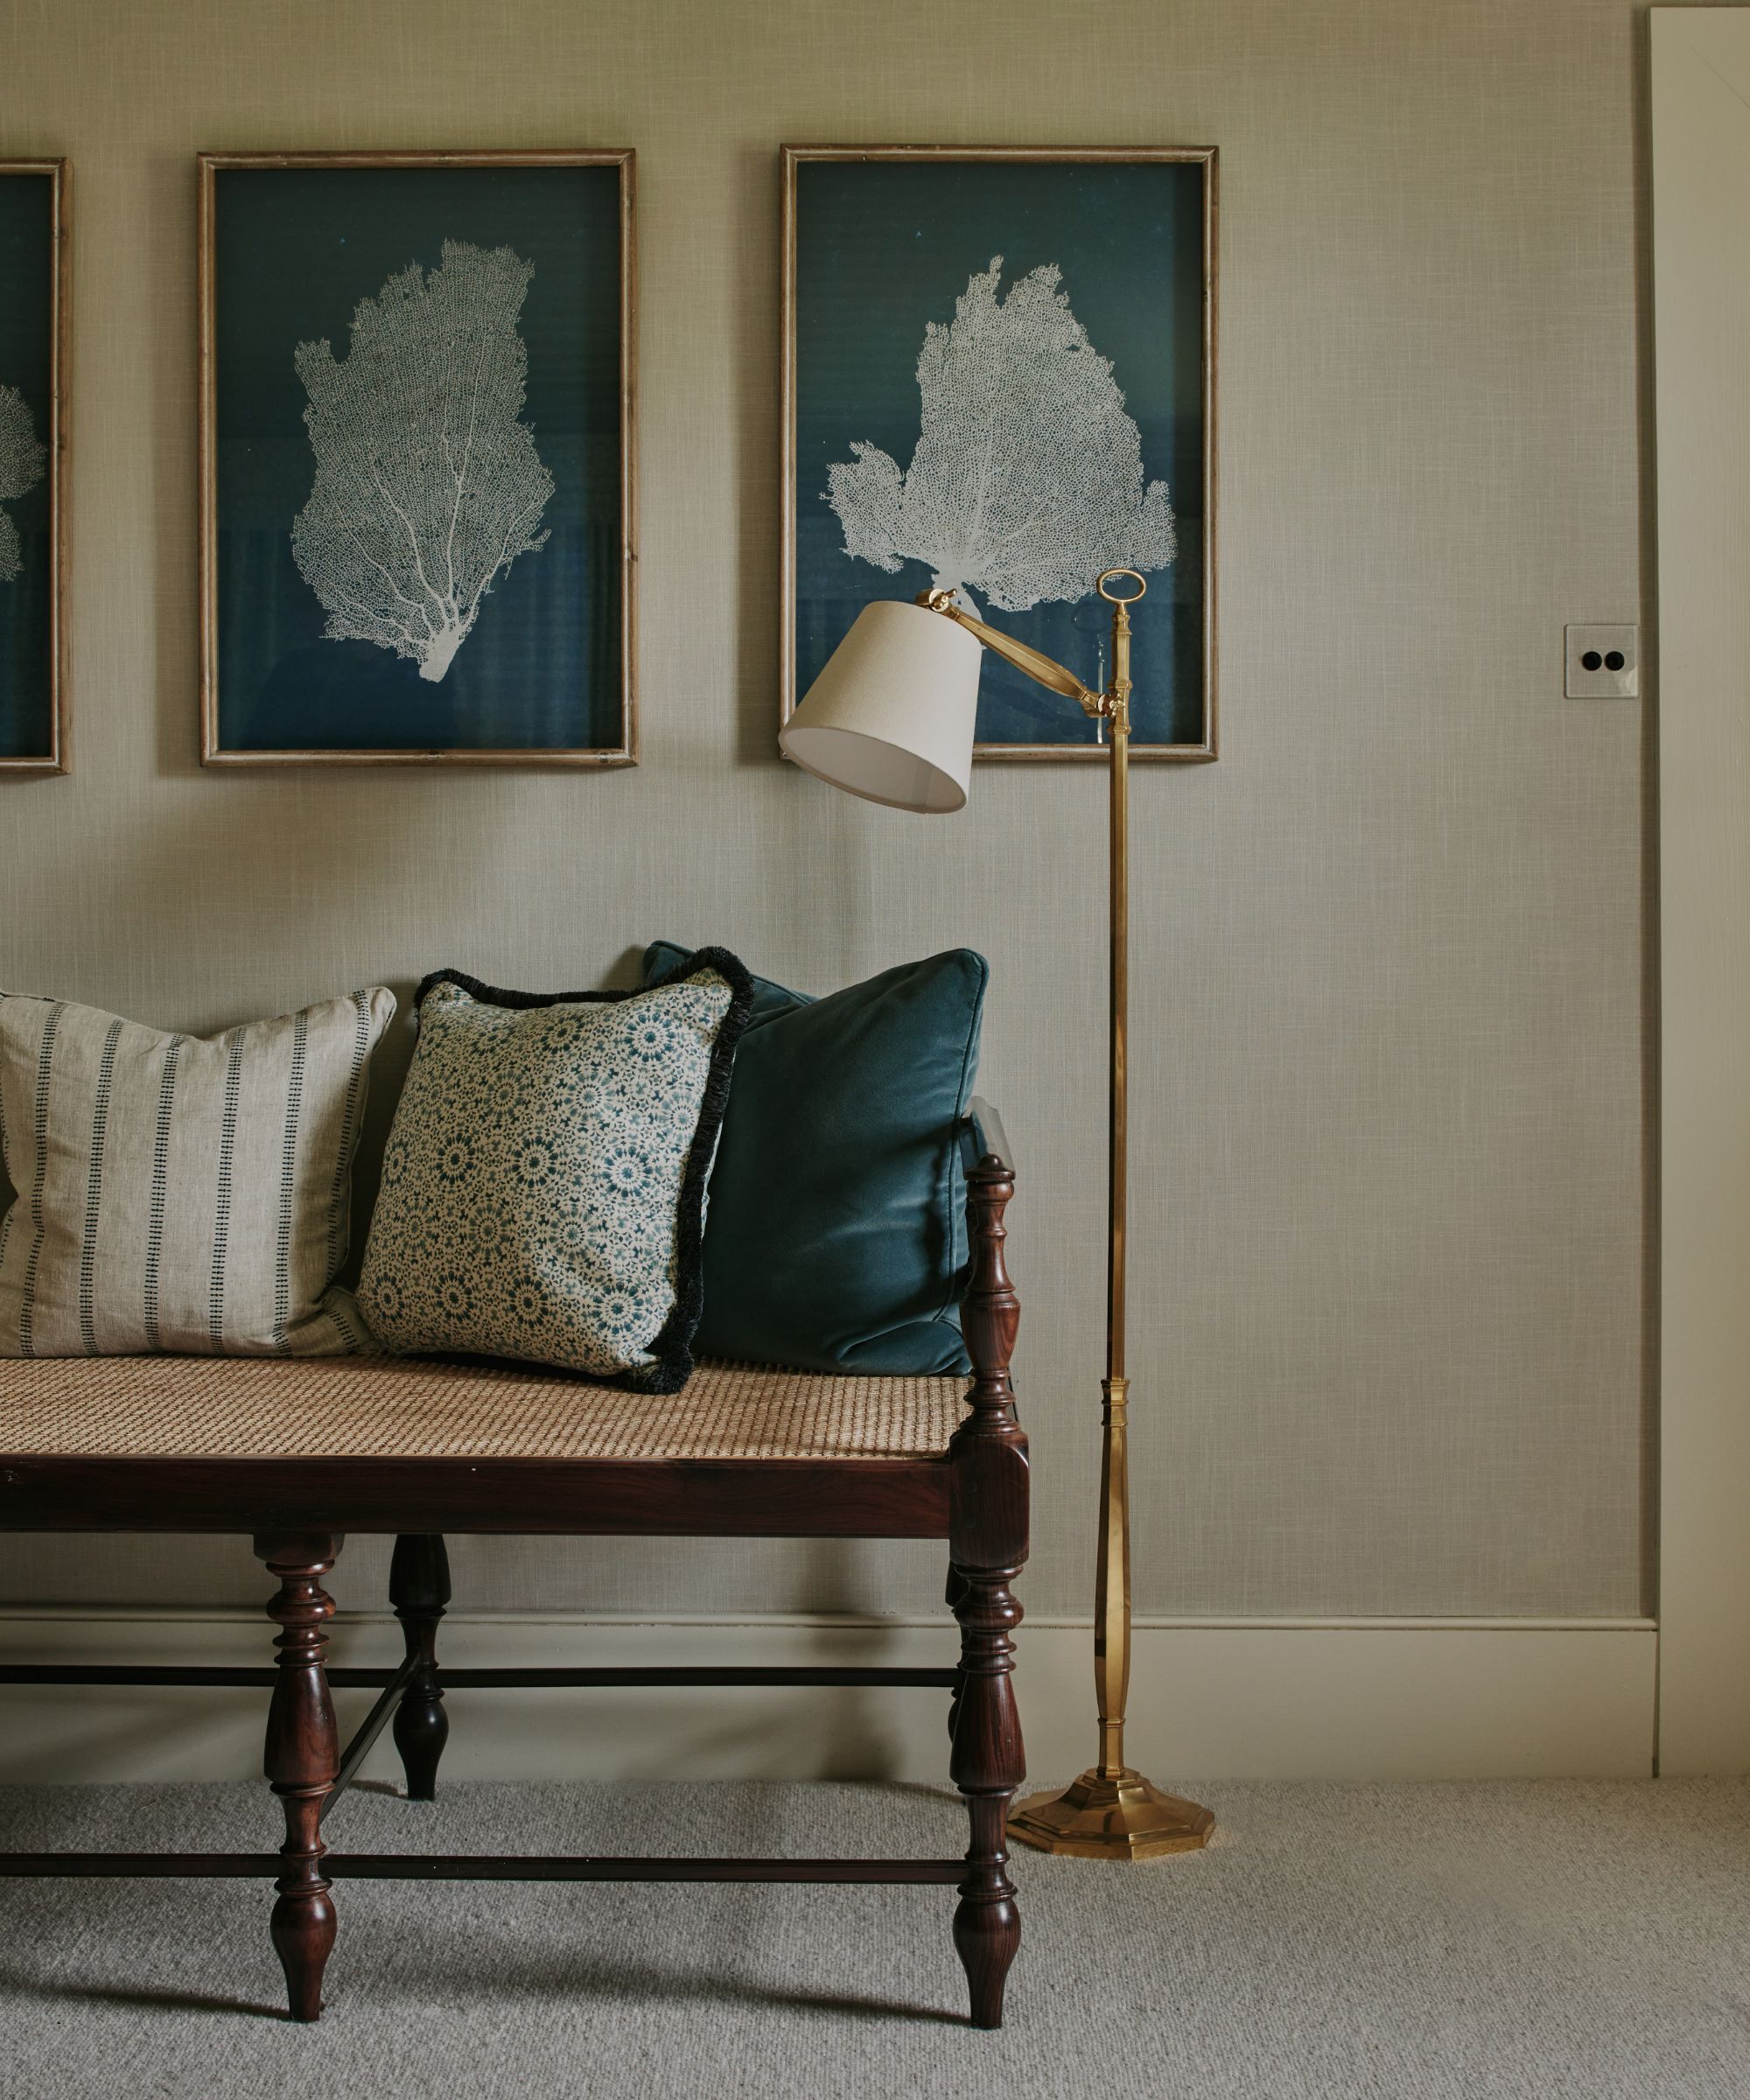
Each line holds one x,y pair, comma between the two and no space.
122,1407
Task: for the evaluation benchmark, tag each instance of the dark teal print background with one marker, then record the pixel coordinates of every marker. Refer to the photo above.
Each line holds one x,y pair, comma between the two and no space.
885,246
295,250
27,362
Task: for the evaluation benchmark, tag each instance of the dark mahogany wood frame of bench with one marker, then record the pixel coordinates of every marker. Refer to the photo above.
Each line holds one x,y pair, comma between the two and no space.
297,1510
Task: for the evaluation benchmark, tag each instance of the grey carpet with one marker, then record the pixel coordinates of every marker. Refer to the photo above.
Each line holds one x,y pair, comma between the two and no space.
1469,1940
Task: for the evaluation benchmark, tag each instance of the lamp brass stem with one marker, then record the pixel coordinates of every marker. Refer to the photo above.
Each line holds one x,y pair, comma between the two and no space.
1112,1812
1112,1573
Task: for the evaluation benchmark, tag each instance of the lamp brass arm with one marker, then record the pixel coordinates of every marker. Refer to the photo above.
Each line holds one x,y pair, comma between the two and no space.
1042,669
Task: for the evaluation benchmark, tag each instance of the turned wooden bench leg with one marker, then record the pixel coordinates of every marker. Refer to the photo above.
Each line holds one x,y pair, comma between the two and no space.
987,1547
987,1766
303,1757
419,1588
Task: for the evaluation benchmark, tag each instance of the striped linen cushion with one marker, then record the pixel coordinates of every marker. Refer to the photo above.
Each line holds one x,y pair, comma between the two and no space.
175,1196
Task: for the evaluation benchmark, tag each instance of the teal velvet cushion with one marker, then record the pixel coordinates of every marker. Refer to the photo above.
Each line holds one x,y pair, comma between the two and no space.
835,1234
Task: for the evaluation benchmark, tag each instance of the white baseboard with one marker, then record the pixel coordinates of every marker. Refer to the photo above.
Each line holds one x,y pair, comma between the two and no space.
1353,1699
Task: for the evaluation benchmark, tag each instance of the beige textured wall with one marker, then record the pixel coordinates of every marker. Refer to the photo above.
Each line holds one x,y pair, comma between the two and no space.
1387,951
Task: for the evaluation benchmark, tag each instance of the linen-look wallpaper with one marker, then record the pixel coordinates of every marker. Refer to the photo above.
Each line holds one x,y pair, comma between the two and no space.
1386,1033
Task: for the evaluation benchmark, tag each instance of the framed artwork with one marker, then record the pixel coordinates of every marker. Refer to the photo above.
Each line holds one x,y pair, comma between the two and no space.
416,472
35,727
999,378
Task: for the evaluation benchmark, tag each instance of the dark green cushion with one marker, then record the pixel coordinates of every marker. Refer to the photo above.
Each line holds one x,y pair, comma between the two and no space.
835,1237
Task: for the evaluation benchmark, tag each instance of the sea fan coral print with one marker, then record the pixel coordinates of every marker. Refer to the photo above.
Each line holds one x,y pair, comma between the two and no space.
21,460
1027,479
427,484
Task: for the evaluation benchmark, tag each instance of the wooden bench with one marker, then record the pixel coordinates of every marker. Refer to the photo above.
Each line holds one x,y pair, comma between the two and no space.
298,1455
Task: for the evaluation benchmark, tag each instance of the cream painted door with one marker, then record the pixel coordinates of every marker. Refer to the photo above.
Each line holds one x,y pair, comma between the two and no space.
1701,263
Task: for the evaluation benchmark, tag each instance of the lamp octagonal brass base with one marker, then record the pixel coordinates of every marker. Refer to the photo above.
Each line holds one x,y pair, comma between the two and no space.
1101,1817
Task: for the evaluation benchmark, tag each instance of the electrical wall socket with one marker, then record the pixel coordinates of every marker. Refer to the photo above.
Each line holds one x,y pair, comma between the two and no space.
1604,662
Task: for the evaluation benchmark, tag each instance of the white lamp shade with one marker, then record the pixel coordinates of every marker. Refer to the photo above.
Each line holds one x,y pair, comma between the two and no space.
891,717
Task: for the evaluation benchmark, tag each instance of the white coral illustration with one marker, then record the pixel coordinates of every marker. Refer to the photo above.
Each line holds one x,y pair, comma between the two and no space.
427,486
22,459
1027,478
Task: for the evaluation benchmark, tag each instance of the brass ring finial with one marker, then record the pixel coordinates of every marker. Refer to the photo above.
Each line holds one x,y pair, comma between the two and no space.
1121,598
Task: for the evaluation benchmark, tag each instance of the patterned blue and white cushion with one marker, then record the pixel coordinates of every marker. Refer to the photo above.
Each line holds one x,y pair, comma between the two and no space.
544,1189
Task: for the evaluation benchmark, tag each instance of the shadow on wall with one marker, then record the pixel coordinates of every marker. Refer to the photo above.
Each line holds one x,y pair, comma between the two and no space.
858,1740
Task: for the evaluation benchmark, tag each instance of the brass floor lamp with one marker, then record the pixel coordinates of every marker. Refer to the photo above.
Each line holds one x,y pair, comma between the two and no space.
890,718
